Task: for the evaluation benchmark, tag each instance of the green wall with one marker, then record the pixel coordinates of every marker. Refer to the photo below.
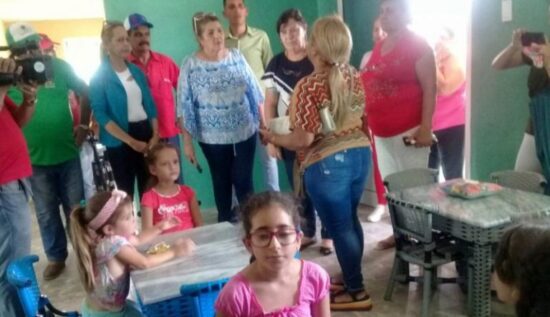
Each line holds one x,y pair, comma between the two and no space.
172,35
499,107
359,15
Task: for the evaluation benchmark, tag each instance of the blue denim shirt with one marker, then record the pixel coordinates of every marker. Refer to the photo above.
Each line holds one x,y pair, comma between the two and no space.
109,101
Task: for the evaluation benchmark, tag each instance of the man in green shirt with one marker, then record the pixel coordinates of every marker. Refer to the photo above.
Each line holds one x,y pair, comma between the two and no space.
53,144
254,45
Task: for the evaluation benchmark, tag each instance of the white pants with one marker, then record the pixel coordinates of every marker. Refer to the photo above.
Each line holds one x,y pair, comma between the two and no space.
527,156
393,156
86,159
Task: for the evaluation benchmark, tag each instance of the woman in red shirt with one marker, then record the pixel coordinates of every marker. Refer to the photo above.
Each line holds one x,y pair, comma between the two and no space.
400,88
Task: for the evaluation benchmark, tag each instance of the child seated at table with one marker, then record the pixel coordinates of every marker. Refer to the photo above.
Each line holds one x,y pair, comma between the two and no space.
166,198
522,269
104,241
275,283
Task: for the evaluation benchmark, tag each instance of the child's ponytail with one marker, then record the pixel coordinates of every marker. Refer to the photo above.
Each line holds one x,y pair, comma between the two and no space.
83,245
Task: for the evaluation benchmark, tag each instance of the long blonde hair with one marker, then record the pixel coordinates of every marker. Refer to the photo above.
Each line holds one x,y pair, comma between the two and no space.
331,38
107,35
84,241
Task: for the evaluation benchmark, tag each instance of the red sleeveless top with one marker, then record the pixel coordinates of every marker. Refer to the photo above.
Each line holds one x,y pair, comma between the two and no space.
393,92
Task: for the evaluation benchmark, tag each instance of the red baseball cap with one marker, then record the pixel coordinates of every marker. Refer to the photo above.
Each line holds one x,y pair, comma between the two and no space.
46,43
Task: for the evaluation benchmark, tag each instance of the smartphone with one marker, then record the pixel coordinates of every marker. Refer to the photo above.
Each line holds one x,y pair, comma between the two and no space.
528,38
408,141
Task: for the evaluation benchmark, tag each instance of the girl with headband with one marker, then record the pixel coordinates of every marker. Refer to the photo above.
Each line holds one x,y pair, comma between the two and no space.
104,239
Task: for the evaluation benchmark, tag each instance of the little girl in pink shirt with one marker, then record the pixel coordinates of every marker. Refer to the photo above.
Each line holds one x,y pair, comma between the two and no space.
275,283
167,198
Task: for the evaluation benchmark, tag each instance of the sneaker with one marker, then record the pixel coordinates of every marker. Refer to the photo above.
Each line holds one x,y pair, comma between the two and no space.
377,213
53,270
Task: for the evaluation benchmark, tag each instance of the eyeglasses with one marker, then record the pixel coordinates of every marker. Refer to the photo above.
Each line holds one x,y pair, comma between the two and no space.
261,238
199,16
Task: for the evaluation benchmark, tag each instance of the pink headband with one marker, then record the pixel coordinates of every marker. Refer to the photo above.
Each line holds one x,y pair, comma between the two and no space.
108,209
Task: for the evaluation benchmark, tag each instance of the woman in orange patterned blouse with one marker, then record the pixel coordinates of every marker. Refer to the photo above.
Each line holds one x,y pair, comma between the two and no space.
333,152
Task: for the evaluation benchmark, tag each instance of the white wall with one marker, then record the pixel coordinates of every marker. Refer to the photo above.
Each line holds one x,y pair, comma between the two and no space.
28,10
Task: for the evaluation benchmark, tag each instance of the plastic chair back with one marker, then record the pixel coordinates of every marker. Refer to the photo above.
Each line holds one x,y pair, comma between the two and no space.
411,222
410,178
527,181
21,274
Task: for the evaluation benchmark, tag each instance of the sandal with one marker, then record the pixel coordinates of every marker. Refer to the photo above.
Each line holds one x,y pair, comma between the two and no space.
336,285
307,243
358,301
325,250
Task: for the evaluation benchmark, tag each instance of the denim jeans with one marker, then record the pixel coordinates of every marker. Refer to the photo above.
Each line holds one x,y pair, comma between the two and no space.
15,239
175,141
335,185
309,225
51,186
269,168
230,166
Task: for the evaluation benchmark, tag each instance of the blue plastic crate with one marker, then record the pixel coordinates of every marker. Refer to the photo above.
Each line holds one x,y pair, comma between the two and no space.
176,307
204,296
196,300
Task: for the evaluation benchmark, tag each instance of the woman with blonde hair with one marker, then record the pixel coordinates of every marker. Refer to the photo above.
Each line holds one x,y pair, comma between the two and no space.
124,109
332,151
219,97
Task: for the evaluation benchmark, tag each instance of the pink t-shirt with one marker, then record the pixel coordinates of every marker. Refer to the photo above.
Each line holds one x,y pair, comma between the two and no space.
237,298
450,110
177,205
15,162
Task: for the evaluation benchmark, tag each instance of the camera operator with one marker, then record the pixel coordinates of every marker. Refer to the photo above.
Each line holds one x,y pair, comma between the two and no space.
532,49
15,168
53,143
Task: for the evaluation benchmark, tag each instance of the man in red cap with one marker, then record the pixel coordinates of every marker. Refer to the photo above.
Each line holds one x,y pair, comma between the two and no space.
162,75
47,45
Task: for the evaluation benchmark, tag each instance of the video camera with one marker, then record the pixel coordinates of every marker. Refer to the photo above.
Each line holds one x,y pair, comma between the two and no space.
36,67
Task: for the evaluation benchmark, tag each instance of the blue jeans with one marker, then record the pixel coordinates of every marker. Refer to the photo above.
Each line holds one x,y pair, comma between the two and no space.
335,185
175,141
309,226
230,166
269,167
15,239
54,185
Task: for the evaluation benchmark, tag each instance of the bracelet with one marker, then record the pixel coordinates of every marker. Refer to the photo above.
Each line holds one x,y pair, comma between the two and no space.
83,126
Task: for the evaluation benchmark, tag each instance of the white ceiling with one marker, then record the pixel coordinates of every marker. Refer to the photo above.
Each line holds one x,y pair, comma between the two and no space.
28,10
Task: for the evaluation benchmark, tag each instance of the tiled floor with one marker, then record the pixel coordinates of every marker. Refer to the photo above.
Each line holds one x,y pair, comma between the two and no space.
66,293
